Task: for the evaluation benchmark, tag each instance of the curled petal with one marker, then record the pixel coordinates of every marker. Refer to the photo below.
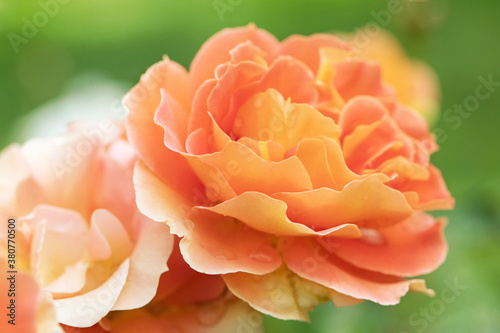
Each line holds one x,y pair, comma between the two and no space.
220,245
269,215
87,309
157,200
147,263
216,50
303,258
267,116
146,136
307,48
245,171
173,118
413,247
432,192
367,203
272,293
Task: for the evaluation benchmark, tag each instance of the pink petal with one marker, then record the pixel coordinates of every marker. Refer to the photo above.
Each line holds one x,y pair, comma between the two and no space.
87,309
147,262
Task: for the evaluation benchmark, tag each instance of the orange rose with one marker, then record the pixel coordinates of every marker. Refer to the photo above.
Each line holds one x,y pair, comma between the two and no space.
295,173
186,301
79,235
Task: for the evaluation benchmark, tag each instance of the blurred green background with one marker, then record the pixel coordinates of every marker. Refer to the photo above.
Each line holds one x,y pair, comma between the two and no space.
111,43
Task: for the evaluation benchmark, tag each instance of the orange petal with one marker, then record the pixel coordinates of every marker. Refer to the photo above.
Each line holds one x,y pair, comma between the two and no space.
146,136
307,48
217,245
216,185
357,77
269,215
402,167
413,247
246,51
216,50
198,142
268,150
199,117
312,154
246,171
432,192
371,136
292,79
267,116
359,111
367,203
160,202
302,257
181,280
342,175
271,294
228,94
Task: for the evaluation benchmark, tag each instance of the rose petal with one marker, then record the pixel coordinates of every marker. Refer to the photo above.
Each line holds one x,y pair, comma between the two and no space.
216,50
173,118
147,262
246,171
302,258
358,77
87,309
62,164
432,192
214,317
269,215
307,48
218,245
271,294
267,116
367,203
157,200
55,229
413,247
147,136
19,192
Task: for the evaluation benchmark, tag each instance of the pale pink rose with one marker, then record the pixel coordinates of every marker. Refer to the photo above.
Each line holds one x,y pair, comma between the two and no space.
186,302
78,231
